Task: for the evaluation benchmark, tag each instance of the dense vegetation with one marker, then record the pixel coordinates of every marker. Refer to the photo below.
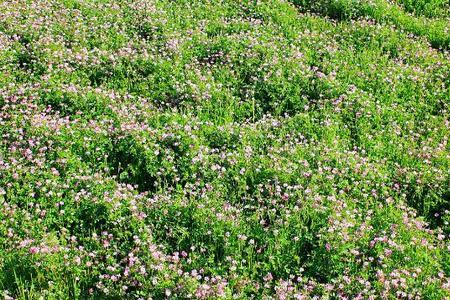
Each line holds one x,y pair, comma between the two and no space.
225,149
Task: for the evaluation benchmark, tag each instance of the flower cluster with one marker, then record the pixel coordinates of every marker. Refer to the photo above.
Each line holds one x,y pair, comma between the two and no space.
217,149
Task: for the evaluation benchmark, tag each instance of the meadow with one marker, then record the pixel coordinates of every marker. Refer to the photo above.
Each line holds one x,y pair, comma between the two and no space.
225,149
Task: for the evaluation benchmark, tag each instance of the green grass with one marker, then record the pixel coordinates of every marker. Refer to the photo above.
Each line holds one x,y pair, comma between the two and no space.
431,19
224,149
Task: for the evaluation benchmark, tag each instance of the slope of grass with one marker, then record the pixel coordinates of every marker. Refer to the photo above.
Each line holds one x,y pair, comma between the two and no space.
434,8
224,149
436,29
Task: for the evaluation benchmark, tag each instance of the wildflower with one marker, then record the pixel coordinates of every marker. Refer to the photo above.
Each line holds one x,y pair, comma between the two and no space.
34,250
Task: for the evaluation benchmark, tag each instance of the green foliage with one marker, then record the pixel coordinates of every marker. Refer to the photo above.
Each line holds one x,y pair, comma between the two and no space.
217,149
